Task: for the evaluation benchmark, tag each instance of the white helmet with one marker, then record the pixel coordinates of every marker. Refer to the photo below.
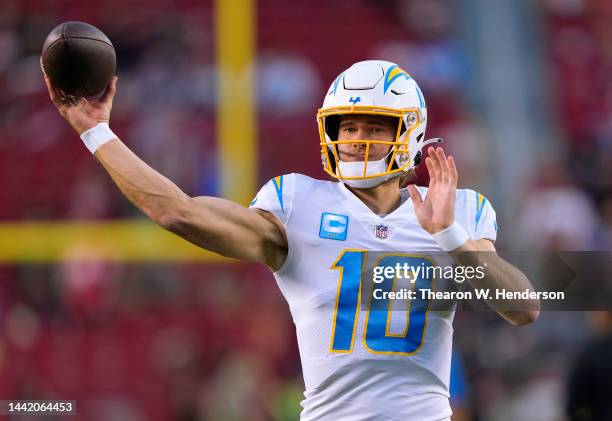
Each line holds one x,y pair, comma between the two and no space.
373,87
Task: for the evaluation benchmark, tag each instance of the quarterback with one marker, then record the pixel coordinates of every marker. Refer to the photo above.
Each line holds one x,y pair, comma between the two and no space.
319,236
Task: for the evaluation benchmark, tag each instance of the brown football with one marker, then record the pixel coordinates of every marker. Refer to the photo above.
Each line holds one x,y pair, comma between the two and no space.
78,58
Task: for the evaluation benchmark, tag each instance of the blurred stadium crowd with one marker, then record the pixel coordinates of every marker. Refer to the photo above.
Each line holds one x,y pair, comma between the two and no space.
193,341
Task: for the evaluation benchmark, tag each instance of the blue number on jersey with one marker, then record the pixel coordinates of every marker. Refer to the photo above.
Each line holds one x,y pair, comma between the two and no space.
377,338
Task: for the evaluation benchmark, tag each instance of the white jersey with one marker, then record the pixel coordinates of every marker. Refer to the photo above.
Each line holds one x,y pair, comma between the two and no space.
361,364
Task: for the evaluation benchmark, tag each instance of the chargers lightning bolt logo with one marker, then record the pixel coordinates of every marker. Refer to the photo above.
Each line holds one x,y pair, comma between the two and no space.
394,72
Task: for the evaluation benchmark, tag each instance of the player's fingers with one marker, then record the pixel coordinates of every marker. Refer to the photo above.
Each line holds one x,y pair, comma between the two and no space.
434,167
69,99
444,170
415,195
109,93
431,171
54,93
452,168
75,100
60,98
63,97
42,68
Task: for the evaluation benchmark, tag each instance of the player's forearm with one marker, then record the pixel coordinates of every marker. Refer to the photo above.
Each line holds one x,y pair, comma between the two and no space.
499,275
215,224
155,195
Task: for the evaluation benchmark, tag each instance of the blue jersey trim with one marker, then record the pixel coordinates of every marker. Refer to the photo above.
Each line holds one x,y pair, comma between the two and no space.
278,185
480,204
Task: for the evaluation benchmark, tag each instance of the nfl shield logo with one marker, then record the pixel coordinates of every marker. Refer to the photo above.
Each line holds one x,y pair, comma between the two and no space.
382,231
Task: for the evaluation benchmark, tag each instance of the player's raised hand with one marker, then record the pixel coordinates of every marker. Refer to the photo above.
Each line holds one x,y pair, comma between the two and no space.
437,211
80,113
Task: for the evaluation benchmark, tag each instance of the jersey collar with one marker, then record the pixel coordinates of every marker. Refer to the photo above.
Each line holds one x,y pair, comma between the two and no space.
401,213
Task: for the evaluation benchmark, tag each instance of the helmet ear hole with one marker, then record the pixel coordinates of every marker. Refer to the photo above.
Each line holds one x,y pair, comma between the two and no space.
332,126
332,160
394,165
332,130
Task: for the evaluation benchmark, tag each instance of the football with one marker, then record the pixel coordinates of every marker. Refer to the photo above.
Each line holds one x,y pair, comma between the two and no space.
78,58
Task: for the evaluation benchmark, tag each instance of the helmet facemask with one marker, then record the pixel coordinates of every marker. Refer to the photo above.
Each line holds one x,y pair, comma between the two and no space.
367,173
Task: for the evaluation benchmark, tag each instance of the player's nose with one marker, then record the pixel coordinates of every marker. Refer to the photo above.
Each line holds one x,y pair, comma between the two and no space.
359,146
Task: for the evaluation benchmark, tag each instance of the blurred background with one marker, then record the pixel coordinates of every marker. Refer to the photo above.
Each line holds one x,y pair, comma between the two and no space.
153,330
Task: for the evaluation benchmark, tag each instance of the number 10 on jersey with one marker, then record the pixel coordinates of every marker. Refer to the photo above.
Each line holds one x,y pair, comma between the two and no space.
377,338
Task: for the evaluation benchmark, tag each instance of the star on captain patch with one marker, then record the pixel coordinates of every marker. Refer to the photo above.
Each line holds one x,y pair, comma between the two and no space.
382,231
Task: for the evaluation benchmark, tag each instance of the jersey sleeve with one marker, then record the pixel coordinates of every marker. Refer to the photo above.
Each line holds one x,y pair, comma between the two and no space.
481,217
276,197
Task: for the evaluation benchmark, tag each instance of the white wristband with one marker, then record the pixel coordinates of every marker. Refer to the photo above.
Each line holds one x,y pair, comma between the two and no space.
451,238
97,136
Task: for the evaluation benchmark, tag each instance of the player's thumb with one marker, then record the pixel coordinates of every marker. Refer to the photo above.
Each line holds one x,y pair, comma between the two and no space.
109,93
415,195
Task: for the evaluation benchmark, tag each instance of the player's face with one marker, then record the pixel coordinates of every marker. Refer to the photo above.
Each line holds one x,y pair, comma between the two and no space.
365,127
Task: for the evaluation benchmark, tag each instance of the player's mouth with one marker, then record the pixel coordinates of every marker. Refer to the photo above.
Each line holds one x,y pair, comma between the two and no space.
354,157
